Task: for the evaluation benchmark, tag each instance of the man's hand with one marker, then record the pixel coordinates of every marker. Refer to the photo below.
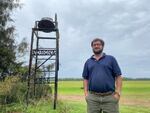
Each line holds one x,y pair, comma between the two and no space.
86,94
116,95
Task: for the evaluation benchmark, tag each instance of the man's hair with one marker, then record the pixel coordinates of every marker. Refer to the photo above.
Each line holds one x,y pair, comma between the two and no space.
98,39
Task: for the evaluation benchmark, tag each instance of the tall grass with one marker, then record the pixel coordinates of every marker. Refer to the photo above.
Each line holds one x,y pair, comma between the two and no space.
13,91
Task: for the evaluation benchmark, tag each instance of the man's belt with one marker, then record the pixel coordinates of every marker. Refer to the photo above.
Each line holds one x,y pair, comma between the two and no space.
101,94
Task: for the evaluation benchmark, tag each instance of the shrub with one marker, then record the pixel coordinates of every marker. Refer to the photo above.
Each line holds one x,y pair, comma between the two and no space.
12,89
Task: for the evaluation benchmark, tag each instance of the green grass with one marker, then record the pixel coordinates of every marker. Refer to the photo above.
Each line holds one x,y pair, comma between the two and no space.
132,91
136,89
70,87
42,106
134,109
129,88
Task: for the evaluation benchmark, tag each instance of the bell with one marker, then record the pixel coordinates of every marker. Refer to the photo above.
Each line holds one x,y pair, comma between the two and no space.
46,25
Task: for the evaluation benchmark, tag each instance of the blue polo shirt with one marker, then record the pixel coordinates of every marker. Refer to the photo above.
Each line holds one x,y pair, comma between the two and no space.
101,73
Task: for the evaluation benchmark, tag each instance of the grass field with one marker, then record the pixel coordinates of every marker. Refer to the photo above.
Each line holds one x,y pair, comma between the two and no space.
135,96
135,99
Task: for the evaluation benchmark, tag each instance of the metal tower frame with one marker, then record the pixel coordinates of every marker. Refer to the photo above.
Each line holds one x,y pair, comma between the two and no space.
36,54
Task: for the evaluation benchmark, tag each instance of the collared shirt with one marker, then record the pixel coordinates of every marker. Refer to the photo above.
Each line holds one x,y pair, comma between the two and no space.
101,73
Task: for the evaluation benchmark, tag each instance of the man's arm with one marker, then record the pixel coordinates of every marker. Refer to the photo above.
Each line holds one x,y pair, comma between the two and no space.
118,85
85,85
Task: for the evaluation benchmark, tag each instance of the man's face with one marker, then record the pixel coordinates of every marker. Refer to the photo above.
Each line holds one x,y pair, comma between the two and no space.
97,47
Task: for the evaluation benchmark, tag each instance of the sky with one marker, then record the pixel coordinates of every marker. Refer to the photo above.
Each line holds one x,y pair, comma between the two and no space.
124,25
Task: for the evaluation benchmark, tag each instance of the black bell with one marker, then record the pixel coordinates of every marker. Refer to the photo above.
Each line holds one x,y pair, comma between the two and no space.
46,24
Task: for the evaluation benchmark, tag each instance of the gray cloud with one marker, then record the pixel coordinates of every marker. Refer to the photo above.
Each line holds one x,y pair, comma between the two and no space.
123,24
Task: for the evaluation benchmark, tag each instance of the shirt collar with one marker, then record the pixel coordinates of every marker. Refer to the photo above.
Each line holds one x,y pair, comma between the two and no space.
103,55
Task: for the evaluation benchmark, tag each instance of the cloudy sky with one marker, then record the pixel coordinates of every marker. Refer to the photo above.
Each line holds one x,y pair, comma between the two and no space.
123,24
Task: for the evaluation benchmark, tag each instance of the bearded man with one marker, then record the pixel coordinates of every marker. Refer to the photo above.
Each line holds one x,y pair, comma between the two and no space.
102,81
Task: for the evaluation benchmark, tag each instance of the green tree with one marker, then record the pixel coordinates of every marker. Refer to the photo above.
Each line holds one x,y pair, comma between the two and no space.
7,36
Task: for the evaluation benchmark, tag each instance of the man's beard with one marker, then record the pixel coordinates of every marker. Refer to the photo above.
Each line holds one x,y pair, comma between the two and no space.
98,52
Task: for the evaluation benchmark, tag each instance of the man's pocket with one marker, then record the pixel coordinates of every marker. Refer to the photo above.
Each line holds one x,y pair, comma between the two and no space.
114,98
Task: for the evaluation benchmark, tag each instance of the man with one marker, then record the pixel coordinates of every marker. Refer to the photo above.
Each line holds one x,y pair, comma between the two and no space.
102,81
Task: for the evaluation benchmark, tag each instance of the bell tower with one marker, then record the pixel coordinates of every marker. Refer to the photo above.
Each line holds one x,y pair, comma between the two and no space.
44,56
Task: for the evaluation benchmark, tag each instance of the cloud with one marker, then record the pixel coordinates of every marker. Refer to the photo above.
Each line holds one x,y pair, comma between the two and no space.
123,24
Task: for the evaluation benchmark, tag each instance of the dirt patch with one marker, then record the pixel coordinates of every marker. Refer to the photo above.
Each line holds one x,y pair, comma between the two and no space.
72,97
123,100
135,102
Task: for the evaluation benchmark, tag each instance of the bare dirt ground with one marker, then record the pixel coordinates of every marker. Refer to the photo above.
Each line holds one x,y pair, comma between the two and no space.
123,100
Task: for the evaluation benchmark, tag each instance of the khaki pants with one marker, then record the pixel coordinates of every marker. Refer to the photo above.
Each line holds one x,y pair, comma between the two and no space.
97,104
